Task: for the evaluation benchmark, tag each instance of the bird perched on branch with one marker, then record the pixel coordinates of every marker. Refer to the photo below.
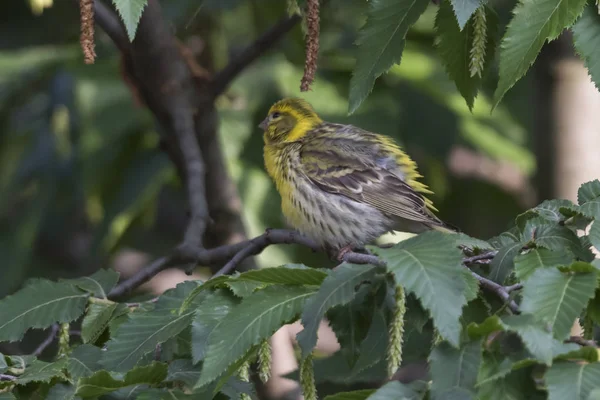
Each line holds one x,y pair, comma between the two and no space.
340,185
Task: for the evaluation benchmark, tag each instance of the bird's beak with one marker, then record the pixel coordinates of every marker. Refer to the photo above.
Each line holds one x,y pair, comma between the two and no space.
263,125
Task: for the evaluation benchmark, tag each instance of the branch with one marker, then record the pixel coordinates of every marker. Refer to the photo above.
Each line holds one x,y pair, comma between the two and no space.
581,341
47,342
224,77
111,25
4,377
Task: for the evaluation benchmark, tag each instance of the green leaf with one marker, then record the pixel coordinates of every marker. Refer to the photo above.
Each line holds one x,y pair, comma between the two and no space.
493,368
3,364
482,330
351,323
454,46
291,274
165,394
594,234
453,368
557,298
430,266
374,345
257,317
354,395
99,284
534,21
40,371
83,361
537,340
130,12
517,385
243,288
593,308
39,305
556,237
380,43
588,191
464,9
526,264
144,330
102,382
586,37
208,315
337,289
96,320
61,391
399,391
7,396
504,262
567,380
185,371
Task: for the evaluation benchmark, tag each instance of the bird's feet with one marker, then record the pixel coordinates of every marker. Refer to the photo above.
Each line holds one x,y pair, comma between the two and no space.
343,251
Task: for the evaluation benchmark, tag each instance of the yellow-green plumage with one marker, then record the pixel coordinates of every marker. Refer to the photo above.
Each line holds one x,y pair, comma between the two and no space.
339,184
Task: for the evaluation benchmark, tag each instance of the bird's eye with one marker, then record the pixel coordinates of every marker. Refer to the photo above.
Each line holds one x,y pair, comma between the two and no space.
275,115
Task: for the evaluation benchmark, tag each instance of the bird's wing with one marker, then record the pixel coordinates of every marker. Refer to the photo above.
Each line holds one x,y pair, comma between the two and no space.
359,170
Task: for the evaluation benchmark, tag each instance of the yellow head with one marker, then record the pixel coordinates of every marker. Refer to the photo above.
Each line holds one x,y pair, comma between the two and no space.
289,120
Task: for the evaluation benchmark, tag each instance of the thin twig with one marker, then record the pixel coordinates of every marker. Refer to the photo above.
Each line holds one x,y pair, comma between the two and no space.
581,341
4,377
142,276
47,342
488,255
312,44
499,290
224,77
512,288
111,25
86,37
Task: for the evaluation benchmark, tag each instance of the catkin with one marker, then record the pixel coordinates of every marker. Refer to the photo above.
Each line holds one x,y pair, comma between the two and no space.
479,42
307,379
264,361
396,332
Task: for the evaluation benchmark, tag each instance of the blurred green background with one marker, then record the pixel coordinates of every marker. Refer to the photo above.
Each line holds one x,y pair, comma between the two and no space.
82,175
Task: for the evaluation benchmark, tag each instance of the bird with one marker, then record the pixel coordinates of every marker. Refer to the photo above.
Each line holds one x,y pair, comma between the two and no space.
340,185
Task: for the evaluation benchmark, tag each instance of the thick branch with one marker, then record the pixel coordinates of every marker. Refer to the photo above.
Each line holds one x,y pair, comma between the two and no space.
251,53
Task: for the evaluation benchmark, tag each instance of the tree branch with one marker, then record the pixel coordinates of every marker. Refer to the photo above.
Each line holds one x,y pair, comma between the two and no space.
581,341
4,377
47,342
224,77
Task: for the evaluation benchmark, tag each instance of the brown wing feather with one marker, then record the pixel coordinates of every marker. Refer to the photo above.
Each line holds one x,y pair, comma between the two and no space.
362,176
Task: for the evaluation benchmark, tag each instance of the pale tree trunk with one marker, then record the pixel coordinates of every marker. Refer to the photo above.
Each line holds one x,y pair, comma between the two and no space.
567,131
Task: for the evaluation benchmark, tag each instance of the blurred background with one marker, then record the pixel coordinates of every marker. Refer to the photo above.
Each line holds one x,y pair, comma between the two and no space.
85,183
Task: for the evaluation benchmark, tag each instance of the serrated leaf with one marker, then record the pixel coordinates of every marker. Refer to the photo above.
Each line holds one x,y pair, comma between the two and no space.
493,368
557,298
374,345
380,43
430,266
40,371
61,391
206,318
567,380
504,262
130,12
588,191
551,209
464,9
102,382
471,242
143,330
166,394
586,37
351,323
3,364
537,340
594,235
453,368
257,317
533,23
96,320
526,264
291,274
399,391
185,371
83,361
98,284
338,288
39,305
454,47
243,288
517,385
354,395
556,237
